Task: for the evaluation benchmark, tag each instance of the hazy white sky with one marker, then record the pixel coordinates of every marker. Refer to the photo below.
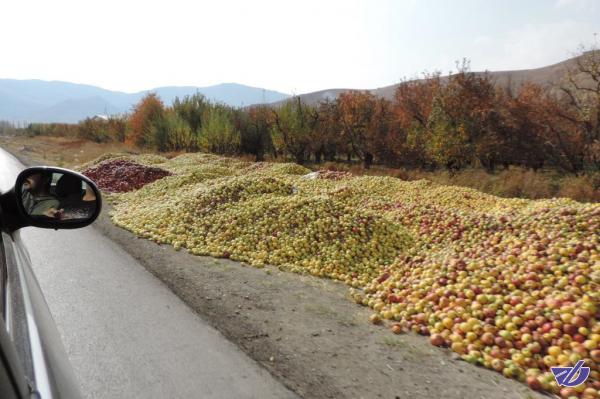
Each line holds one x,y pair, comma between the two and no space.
290,46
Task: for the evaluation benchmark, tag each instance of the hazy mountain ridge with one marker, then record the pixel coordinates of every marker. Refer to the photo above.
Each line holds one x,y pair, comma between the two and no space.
548,76
56,101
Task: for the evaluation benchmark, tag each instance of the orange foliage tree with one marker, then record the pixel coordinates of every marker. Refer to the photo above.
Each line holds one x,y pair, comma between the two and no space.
466,127
413,102
149,111
359,127
326,140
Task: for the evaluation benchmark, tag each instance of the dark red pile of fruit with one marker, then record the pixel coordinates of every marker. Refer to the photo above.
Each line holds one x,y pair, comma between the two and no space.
120,175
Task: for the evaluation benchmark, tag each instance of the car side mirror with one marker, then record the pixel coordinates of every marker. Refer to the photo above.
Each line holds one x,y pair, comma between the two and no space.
50,197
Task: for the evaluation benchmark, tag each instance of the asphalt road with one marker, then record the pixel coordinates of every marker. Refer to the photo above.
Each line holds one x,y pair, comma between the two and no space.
127,335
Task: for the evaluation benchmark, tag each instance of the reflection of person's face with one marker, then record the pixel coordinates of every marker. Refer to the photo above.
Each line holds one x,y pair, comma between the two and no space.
33,182
89,194
38,184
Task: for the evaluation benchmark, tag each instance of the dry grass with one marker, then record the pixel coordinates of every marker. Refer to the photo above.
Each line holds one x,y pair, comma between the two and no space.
581,187
60,151
510,183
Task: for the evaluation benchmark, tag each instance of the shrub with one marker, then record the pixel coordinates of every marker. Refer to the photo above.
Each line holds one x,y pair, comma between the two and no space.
581,188
94,129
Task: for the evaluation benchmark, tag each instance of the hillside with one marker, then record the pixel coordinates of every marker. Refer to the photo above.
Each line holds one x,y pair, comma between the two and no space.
548,76
55,101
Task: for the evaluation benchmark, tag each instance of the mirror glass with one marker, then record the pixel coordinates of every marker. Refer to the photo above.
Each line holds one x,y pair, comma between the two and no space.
51,195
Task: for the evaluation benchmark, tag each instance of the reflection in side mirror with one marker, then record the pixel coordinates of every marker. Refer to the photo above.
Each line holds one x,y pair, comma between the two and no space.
57,198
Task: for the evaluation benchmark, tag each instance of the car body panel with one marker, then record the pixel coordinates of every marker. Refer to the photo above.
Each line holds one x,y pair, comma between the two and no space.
32,329
12,377
31,334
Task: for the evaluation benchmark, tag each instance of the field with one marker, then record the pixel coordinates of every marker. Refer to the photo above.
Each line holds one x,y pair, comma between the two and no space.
508,284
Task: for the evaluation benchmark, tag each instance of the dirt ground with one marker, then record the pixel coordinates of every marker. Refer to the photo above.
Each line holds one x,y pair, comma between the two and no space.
307,331
58,151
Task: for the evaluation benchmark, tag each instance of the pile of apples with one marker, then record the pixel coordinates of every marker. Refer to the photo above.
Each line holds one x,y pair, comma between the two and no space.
517,291
261,214
509,284
120,175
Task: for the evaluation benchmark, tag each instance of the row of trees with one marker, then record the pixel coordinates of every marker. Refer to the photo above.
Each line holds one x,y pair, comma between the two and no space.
450,122
8,128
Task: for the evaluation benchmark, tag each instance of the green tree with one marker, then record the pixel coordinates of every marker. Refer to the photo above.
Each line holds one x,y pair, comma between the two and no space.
191,109
291,130
255,127
447,141
218,133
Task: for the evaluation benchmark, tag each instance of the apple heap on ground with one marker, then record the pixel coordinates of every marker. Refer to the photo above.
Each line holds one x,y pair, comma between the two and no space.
120,175
509,284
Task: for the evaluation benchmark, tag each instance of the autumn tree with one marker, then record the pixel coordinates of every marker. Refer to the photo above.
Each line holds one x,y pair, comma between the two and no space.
356,112
150,110
581,89
382,130
326,135
292,125
413,102
526,120
117,128
464,121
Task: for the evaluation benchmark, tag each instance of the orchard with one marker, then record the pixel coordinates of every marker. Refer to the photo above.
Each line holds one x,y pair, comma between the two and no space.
509,284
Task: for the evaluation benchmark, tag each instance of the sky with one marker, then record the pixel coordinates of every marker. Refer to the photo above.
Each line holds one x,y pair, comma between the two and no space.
289,46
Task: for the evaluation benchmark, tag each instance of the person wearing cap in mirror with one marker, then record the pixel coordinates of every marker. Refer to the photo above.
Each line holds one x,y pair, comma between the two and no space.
36,197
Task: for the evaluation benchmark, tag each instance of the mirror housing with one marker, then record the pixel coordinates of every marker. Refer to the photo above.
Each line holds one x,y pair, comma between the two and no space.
51,198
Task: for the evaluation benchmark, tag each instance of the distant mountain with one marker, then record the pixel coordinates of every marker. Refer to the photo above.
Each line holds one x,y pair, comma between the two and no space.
55,101
43,101
73,110
548,76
